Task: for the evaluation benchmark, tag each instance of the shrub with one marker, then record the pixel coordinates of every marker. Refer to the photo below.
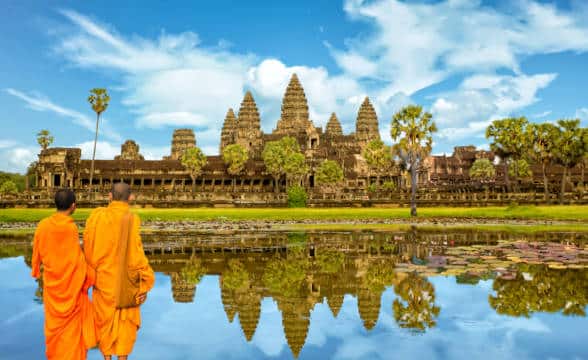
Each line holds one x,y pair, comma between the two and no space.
389,186
8,187
372,188
297,196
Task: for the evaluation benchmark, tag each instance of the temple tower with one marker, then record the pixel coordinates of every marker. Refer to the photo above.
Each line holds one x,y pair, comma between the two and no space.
368,304
333,127
335,301
229,130
249,133
366,126
182,140
294,118
129,151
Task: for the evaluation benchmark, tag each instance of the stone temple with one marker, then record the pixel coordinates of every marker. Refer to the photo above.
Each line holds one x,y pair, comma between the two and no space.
167,179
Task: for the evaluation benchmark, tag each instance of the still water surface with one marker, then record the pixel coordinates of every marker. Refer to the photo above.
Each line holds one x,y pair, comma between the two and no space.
341,295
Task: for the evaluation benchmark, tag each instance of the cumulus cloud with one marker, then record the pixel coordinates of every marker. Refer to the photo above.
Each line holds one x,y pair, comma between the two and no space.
16,158
38,102
412,47
168,81
464,114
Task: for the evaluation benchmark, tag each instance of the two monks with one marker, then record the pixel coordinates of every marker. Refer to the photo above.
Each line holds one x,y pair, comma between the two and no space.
72,323
69,326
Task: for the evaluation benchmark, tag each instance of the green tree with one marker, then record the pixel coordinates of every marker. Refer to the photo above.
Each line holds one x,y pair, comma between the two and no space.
543,141
519,169
295,168
235,157
297,196
413,129
193,271
44,139
415,306
570,148
99,100
194,160
378,156
280,159
482,169
329,174
510,141
8,187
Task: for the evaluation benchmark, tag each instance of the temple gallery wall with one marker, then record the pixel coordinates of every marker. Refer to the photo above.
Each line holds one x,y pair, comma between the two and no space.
442,179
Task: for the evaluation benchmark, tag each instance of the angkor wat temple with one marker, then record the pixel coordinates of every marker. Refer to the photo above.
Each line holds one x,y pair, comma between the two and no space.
168,180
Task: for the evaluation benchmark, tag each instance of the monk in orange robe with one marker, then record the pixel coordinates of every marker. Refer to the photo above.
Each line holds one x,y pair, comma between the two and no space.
116,328
69,326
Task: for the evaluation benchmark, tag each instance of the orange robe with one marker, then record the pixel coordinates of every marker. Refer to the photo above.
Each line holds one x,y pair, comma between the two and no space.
69,327
116,328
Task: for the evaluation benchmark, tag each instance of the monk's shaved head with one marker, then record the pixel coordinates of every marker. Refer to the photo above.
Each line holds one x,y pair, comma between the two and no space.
121,191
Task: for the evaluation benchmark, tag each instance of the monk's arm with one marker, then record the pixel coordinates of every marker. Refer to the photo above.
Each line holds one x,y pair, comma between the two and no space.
90,278
36,260
142,263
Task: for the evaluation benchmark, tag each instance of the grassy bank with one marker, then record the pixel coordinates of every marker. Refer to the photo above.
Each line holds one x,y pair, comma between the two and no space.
563,213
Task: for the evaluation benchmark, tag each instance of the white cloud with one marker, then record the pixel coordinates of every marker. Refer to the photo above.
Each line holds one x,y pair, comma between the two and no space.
168,81
414,45
7,143
17,158
542,114
582,114
104,150
39,102
464,114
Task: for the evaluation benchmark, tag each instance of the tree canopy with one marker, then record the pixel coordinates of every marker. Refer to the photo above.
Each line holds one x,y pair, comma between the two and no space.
235,157
482,169
328,174
44,139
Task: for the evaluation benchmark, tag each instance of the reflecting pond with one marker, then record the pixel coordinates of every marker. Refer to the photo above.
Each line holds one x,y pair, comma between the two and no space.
334,294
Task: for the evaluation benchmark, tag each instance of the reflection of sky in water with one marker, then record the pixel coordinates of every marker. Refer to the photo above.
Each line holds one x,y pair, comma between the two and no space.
467,327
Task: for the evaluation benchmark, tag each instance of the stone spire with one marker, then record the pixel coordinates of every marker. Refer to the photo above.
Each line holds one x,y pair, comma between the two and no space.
229,130
295,320
334,126
294,118
249,311
335,302
368,303
366,127
129,151
182,140
249,126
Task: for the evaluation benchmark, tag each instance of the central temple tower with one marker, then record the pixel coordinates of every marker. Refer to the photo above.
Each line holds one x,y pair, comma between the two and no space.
294,118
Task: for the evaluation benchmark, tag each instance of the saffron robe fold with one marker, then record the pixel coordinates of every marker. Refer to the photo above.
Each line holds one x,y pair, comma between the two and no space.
69,325
116,328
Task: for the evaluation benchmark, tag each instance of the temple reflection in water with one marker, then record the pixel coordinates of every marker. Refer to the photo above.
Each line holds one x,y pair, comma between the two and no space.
530,273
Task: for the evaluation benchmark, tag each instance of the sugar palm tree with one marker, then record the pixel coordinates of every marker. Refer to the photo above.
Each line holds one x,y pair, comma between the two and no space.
99,100
413,128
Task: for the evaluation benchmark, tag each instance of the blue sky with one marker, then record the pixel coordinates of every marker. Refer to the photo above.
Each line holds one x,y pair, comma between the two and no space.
466,61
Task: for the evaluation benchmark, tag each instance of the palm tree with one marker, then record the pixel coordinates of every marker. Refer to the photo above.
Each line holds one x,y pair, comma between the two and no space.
543,137
413,128
44,139
99,100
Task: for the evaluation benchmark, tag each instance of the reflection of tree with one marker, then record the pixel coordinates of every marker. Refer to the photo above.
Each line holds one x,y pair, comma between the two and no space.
286,276
539,288
330,261
417,308
236,277
379,275
193,271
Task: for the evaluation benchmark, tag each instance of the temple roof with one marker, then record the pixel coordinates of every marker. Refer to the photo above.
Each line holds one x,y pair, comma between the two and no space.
294,117
334,126
366,126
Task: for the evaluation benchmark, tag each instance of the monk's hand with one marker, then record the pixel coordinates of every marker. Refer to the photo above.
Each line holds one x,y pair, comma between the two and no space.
141,298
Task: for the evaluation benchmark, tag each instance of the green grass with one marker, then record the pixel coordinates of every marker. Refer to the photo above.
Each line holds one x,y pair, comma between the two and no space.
523,229
567,213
